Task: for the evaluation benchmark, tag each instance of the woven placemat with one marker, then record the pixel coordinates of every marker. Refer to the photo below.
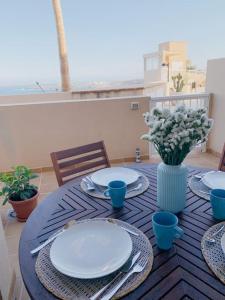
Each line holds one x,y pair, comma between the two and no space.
68,288
198,188
99,191
213,254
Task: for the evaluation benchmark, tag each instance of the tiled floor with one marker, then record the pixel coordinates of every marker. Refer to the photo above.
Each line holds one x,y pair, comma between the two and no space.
47,183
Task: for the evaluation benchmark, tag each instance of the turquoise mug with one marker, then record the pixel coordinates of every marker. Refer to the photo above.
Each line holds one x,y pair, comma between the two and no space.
217,199
165,229
116,191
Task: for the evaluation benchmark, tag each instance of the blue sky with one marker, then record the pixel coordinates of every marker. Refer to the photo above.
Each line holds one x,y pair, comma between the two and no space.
106,38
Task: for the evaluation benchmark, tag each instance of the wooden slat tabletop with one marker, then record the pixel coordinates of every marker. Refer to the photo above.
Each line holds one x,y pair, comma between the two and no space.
180,273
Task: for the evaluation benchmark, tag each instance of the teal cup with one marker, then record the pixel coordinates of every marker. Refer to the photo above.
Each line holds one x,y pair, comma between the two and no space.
217,199
165,229
116,191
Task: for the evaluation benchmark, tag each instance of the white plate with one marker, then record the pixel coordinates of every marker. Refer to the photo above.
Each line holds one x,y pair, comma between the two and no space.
91,249
223,243
104,176
214,180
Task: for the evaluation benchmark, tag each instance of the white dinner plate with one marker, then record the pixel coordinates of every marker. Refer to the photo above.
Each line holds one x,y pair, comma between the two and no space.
223,243
214,180
104,176
91,249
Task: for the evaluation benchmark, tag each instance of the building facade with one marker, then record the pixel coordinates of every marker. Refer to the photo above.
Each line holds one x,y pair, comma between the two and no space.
161,69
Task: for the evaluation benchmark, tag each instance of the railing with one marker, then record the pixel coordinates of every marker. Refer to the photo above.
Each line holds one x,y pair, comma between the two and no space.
194,101
189,100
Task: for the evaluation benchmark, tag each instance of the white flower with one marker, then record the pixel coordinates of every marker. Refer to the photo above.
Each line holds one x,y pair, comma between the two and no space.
175,134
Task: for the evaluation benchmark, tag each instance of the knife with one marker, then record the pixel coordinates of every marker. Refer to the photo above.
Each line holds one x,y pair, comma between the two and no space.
124,269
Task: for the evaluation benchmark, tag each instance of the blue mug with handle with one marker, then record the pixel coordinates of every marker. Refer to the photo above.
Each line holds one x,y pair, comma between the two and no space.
217,199
165,229
116,191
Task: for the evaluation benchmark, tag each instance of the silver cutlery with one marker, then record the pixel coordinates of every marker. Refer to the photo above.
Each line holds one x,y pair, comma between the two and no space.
128,230
204,192
90,180
138,187
124,228
124,269
199,176
139,267
90,187
212,240
92,184
52,237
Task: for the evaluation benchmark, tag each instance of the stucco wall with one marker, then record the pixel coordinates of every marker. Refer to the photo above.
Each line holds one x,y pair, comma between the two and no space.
29,132
78,95
215,83
108,93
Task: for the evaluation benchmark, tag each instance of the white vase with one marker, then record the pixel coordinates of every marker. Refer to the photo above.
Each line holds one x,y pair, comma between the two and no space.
171,187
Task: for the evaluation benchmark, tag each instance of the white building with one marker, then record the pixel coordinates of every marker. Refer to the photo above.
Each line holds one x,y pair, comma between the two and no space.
170,60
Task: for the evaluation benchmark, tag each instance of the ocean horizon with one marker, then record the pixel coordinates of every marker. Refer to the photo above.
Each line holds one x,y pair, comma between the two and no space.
51,88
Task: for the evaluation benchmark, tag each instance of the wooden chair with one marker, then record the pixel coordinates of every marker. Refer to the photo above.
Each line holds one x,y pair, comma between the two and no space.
222,160
71,163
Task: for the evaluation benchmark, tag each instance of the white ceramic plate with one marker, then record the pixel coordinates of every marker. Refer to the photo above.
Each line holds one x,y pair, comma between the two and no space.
214,180
223,243
104,176
91,249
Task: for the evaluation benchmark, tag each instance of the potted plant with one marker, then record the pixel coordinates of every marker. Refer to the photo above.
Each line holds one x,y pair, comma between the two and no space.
174,135
18,191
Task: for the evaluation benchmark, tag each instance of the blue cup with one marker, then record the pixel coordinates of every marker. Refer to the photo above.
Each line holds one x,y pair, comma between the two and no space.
217,198
116,191
165,229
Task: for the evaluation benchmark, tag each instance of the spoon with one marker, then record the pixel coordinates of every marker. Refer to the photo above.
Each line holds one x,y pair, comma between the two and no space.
52,237
136,188
212,240
199,176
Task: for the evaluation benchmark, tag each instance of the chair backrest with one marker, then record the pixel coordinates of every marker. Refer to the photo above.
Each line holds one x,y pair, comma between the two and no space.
71,163
222,160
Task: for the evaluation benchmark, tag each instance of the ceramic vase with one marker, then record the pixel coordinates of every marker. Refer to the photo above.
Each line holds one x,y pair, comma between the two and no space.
171,187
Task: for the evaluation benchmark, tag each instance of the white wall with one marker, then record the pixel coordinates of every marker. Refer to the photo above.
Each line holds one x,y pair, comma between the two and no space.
215,83
30,131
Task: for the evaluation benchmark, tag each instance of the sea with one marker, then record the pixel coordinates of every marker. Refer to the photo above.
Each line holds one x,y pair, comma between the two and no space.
38,88
25,90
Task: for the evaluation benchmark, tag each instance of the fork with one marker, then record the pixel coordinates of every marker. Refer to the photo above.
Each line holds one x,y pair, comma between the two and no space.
138,268
125,269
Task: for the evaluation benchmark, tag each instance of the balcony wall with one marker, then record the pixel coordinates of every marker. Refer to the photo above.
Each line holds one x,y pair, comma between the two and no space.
215,85
109,92
33,127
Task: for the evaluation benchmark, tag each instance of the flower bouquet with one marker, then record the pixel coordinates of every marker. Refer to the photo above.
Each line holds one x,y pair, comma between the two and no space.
174,135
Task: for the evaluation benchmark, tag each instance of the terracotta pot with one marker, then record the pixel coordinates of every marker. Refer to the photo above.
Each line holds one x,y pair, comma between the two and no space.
24,208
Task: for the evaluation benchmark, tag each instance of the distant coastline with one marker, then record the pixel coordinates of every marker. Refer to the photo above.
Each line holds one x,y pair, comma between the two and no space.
53,88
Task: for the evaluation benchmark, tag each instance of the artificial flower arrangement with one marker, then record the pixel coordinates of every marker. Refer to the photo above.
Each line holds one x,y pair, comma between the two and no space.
175,134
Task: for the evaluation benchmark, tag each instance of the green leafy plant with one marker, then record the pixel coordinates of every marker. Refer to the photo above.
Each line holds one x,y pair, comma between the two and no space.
178,83
17,185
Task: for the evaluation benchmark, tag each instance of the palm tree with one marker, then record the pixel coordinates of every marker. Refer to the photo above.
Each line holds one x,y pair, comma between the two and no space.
64,66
